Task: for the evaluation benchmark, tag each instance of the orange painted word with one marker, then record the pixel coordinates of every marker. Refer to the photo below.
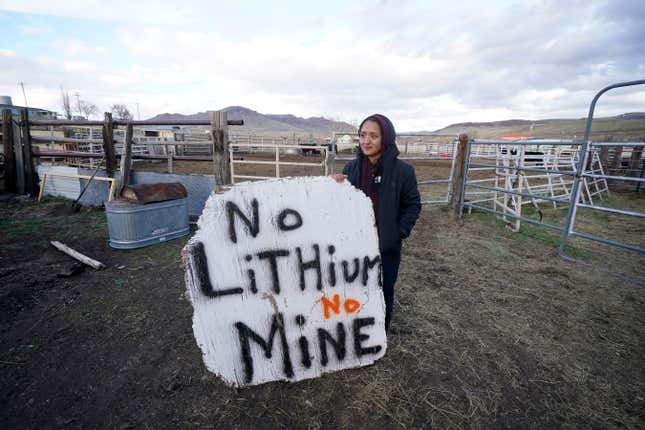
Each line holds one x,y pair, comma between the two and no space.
350,305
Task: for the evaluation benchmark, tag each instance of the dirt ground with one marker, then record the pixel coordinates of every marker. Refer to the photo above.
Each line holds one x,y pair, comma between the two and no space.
492,329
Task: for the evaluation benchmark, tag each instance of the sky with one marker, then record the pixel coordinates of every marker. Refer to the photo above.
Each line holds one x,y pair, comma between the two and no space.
425,64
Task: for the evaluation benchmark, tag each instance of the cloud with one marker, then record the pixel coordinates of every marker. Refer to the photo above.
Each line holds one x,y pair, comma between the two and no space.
116,10
425,64
79,66
26,30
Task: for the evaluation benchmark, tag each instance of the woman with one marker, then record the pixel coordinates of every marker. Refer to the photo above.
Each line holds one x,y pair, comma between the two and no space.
391,184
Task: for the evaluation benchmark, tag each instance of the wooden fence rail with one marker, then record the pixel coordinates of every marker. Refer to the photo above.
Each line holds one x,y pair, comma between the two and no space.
20,174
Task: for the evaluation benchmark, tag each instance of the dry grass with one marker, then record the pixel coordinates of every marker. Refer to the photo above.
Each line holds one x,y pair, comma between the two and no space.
491,330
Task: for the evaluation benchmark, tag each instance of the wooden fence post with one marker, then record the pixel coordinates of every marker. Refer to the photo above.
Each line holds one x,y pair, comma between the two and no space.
171,158
604,157
126,160
9,159
616,164
31,176
108,145
20,162
635,161
456,186
219,132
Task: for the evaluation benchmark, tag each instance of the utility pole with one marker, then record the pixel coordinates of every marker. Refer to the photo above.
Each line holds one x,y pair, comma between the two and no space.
138,114
78,102
22,85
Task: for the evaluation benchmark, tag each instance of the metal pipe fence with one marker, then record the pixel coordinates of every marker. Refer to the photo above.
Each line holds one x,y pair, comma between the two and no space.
584,170
441,151
573,206
277,162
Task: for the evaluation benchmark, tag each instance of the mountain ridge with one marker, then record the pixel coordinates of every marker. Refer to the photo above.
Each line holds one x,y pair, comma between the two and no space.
514,122
255,121
258,122
629,125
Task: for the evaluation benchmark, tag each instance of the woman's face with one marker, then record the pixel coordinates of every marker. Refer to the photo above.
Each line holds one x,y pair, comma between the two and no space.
370,139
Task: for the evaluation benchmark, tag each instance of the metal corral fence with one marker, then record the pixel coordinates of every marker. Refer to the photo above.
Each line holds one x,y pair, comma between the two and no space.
412,147
561,172
277,162
252,142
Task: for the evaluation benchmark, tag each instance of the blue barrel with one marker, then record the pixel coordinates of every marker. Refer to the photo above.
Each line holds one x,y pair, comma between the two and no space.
134,226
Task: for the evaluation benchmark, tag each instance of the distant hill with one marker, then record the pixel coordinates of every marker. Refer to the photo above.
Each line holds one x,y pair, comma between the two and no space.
627,126
631,115
258,122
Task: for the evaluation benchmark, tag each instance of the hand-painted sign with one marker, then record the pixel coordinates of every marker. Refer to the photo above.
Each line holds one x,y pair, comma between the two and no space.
284,277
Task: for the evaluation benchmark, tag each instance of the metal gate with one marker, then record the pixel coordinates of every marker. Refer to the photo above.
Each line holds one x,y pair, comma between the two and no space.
581,177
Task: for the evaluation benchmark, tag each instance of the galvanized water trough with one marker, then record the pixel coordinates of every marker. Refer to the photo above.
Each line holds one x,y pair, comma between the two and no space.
152,213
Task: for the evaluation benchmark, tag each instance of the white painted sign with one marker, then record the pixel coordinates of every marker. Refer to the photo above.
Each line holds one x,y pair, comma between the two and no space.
284,277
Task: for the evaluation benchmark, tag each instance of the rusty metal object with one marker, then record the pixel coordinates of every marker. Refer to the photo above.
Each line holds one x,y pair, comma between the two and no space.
149,193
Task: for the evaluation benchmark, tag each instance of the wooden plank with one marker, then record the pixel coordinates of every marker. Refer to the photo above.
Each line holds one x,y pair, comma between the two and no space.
618,155
149,193
604,156
635,161
77,255
221,162
41,139
31,176
317,324
86,123
108,144
126,160
9,158
456,186
71,146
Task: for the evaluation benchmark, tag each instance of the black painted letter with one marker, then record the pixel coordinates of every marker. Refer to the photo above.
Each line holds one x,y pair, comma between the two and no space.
368,264
253,227
359,337
339,345
313,264
357,267
245,335
272,256
332,266
283,215
203,278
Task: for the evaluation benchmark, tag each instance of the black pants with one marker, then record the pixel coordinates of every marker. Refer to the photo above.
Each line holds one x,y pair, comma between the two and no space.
390,263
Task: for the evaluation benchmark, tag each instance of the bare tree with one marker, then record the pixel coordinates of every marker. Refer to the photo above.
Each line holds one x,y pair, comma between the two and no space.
88,108
121,112
65,104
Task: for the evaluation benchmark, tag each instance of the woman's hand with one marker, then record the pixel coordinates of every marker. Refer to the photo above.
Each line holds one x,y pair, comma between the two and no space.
338,177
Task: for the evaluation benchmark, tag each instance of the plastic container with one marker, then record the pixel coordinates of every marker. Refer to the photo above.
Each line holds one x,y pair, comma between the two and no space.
134,226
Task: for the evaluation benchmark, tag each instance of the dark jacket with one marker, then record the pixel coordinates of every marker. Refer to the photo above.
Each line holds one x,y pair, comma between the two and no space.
399,203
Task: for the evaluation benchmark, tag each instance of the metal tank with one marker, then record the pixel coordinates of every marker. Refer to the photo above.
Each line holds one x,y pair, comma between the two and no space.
134,226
